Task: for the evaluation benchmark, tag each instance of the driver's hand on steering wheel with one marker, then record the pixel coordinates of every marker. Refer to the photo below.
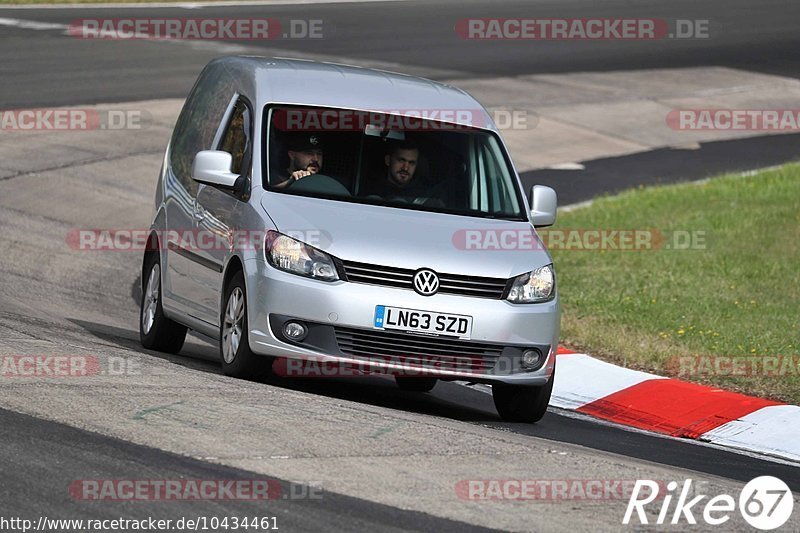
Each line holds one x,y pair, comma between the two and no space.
298,174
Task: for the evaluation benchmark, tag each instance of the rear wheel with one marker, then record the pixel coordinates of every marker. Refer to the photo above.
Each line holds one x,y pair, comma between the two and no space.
237,359
415,384
517,403
156,331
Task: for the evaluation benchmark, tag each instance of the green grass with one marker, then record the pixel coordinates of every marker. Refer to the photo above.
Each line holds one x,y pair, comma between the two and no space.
739,296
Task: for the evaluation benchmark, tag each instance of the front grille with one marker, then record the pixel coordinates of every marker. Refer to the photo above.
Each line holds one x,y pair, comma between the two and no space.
435,353
402,278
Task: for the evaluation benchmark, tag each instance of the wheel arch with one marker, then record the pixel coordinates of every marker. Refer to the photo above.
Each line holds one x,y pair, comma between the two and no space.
152,246
234,265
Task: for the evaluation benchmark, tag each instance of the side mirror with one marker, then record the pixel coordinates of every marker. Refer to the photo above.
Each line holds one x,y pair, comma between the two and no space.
213,167
543,206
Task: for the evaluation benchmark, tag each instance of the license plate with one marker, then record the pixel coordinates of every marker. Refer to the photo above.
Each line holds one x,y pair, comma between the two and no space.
423,321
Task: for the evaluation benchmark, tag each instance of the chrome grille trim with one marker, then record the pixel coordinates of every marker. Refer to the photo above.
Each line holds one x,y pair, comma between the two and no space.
480,287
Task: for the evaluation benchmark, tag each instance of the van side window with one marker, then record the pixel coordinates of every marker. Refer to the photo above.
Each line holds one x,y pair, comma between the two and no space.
237,138
198,123
495,192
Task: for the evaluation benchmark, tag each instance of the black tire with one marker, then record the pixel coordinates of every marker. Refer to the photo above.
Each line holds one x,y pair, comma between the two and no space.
517,403
164,334
244,364
415,384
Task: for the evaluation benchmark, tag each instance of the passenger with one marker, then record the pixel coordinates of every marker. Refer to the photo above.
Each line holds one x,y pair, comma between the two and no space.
401,165
305,159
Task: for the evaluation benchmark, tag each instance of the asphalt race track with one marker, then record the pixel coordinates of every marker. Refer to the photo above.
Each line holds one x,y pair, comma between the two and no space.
385,459
417,35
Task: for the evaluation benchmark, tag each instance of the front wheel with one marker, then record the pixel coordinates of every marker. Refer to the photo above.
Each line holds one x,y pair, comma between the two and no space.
156,331
237,359
518,403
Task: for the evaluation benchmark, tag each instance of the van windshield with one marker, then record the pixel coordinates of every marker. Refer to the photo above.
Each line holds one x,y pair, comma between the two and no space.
393,160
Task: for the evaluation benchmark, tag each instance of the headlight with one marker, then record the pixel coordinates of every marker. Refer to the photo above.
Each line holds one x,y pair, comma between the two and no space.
533,287
293,256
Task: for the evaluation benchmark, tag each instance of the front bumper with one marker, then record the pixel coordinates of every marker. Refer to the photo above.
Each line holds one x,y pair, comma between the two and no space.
332,309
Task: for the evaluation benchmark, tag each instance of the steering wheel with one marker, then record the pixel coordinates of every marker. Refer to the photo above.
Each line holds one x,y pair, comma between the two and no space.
319,183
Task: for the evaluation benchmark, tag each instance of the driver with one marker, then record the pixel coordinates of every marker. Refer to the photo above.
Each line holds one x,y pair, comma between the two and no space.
305,158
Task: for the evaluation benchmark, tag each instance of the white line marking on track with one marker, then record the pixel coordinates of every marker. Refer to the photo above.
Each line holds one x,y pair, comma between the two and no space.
223,47
32,24
567,166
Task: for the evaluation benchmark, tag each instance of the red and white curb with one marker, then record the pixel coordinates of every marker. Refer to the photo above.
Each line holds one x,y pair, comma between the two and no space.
672,407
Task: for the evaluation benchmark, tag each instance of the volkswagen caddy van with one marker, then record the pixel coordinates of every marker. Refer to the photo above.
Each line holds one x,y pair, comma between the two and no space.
354,218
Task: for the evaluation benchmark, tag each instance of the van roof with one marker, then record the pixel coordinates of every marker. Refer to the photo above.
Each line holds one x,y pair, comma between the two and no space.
312,83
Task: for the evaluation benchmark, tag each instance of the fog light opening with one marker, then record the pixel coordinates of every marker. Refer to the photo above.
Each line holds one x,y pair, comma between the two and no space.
532,359
295,331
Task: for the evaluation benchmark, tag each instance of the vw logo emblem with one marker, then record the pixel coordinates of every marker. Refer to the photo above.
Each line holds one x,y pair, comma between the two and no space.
426,282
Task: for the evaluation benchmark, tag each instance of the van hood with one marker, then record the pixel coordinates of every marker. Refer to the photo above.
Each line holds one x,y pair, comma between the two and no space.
406,238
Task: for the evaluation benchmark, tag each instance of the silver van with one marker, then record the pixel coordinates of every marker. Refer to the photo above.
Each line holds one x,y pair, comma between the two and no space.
318,214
